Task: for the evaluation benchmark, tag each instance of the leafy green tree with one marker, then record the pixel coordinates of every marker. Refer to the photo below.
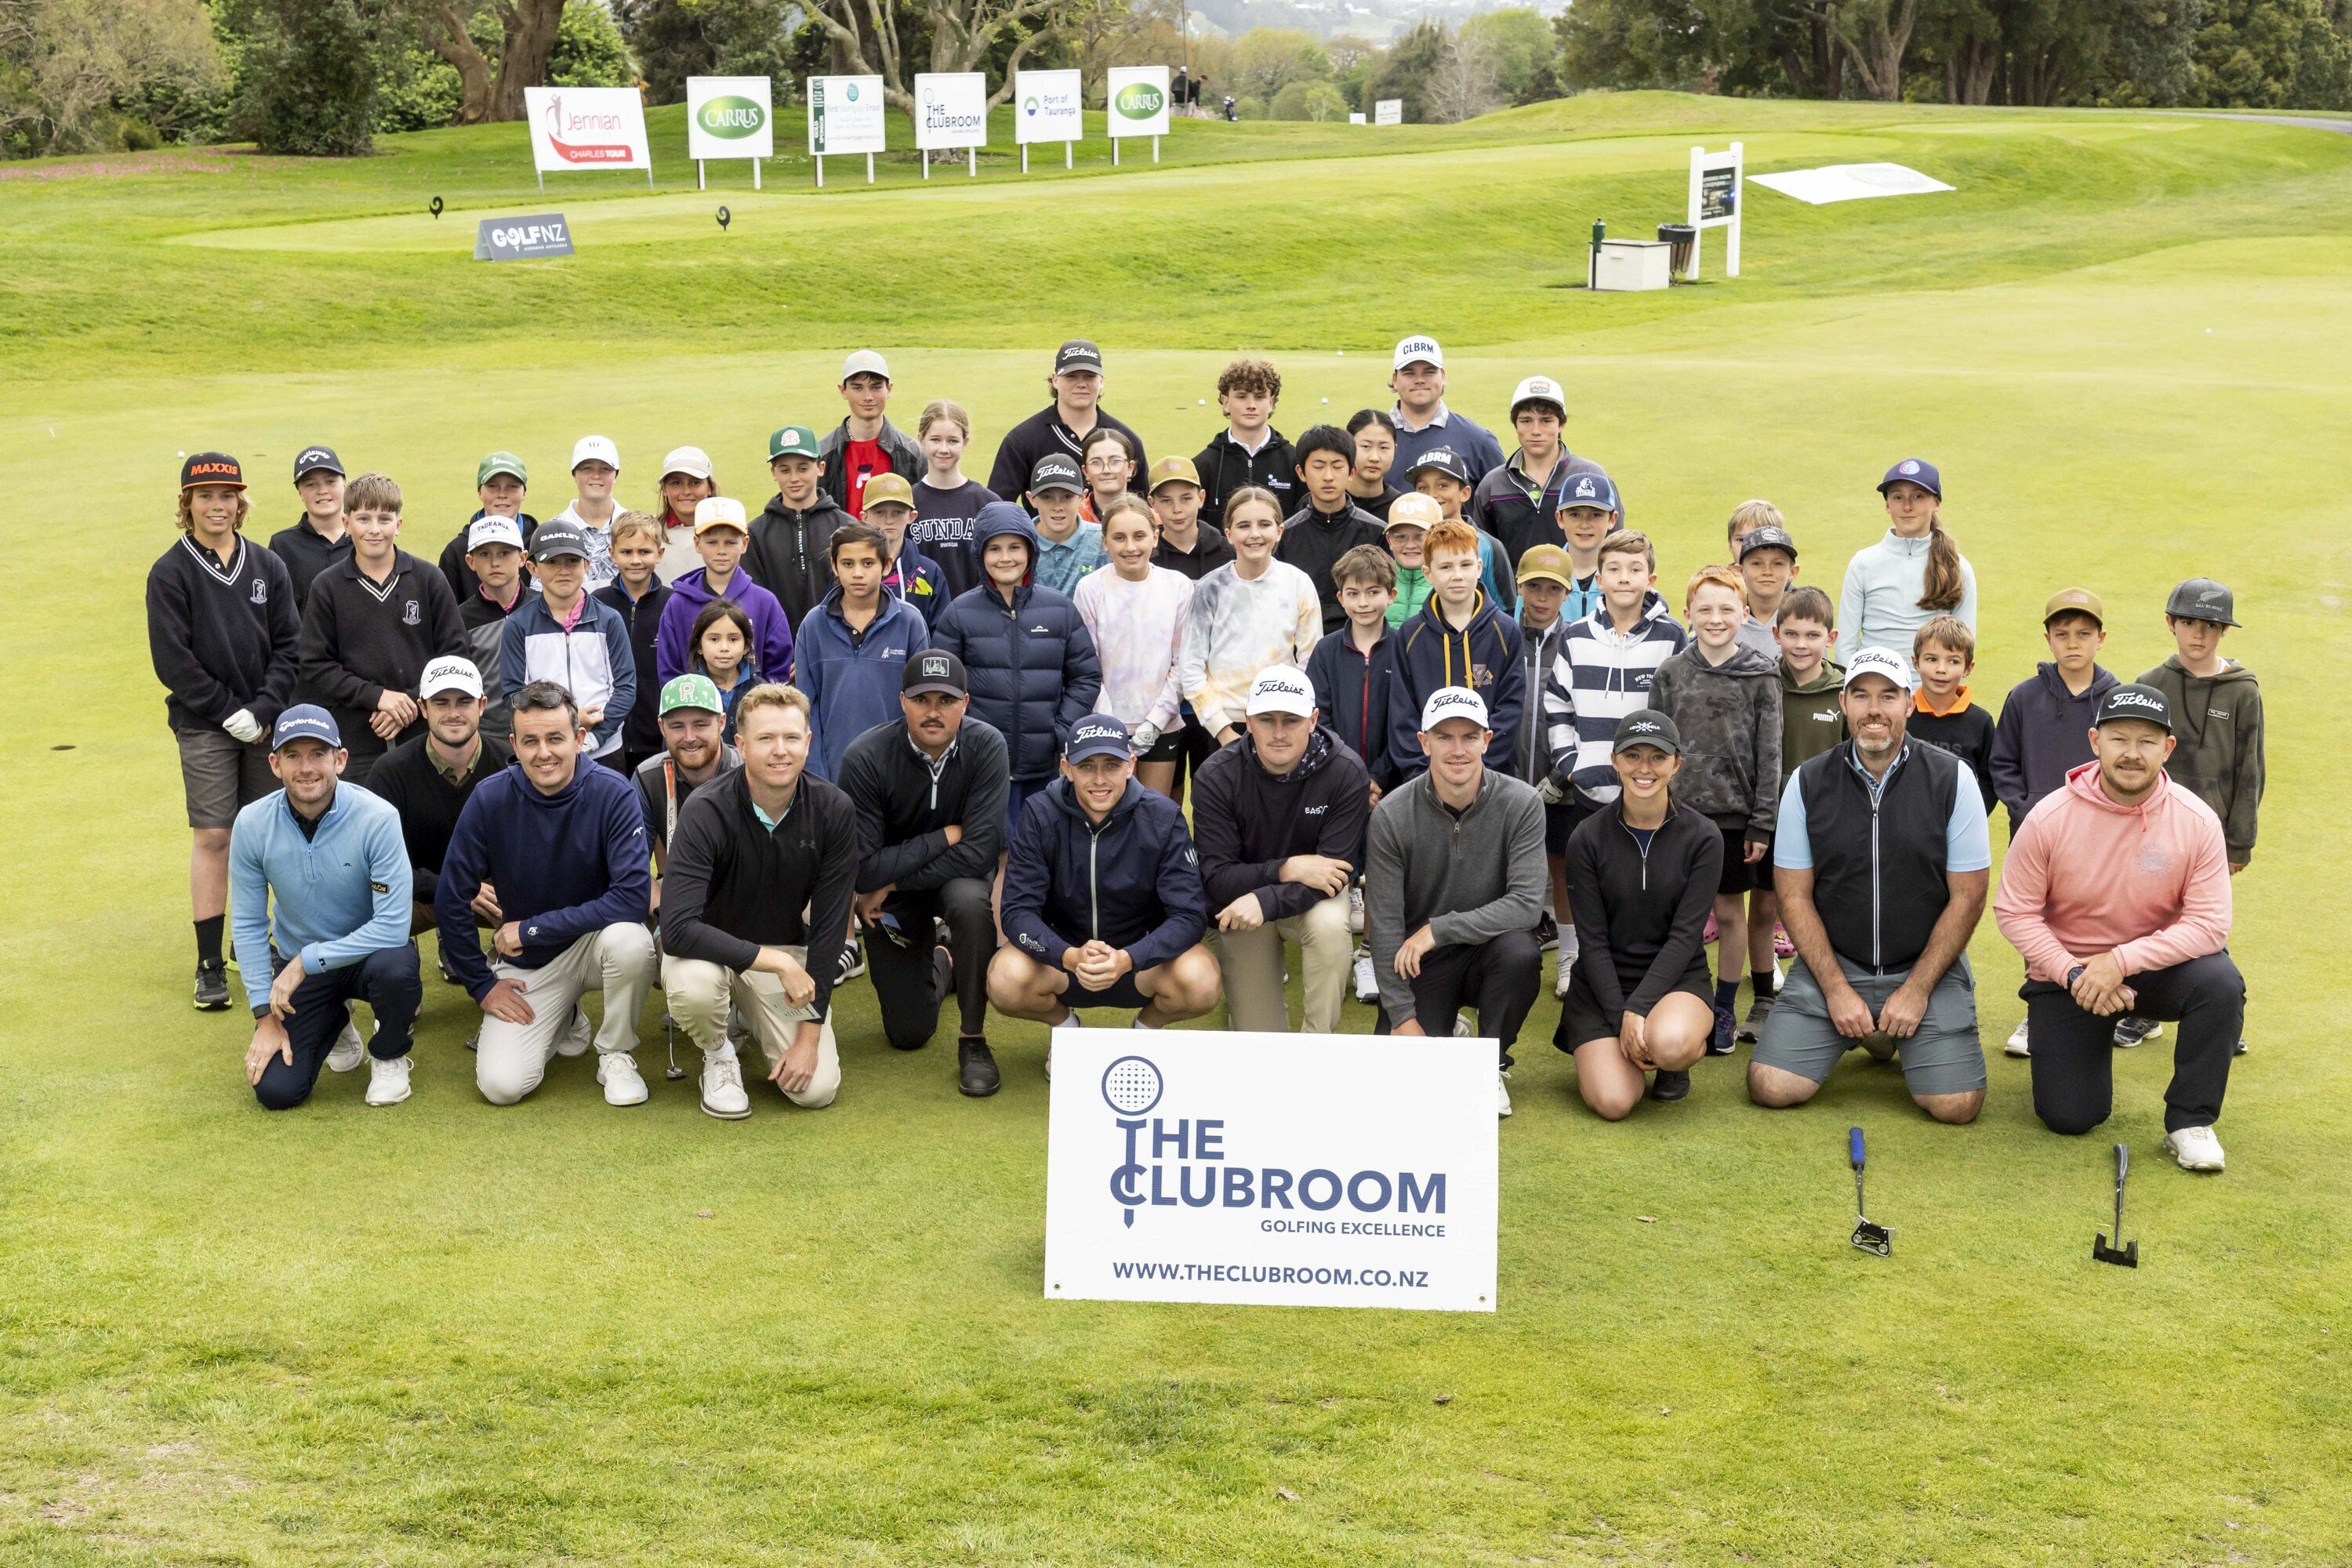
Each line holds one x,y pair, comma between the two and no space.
306,76
87,75
1517,43
1317,100
1410,68
1264,60
2272,54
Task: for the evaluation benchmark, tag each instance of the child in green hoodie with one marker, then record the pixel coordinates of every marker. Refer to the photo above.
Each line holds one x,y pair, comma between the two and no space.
2217,707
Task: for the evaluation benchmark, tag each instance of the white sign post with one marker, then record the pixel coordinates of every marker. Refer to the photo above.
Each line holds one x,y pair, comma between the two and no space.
951,110
1715,203
587,128
1048,106
1138,105
730,117
1277,1170
1388,112
844,118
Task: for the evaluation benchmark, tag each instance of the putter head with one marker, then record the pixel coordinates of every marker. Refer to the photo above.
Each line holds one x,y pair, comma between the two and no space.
674,1072
1874,1238
2126,1257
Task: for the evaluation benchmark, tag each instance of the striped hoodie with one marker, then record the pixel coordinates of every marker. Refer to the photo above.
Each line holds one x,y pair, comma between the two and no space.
1600,675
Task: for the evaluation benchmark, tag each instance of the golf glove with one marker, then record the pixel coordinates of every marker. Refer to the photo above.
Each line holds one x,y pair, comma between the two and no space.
1553,790
1143,739
242,726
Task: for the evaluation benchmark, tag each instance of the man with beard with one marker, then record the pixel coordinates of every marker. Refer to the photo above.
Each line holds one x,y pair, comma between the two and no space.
694,752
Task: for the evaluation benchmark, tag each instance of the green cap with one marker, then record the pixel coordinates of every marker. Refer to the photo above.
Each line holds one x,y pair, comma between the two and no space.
499,463
690,691
794,441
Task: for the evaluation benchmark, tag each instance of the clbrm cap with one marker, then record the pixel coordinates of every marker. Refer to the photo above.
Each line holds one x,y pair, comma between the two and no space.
1098,735
450,673
212,469
1418,348
493,529
864,362
596,449
1589,490
1914,470
1882,662
719,511
693,691
1540,389
2144,703
934,670
313,458
1280,689
2074,602
1647,727
1453,703
305,722
558,537
1077,355
888,490
691,461
499,463
2202,599
794,441
1055,472
1446,460
1769,537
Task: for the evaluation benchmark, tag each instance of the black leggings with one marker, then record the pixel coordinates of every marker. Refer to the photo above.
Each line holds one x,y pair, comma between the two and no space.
1499,978
2074,1051
903,971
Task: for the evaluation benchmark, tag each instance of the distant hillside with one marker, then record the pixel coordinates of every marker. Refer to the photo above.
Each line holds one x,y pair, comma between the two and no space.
1375,20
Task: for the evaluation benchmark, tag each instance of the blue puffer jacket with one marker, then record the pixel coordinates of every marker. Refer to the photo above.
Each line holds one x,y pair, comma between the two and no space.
852,678
1134,881
1031,663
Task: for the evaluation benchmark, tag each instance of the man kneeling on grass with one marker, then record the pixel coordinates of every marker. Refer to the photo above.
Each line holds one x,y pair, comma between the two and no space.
1103,901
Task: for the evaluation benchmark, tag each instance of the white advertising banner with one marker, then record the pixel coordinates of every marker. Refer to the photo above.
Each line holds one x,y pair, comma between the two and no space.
586,128
730,117
1850,182
1137,100
1388,112
844,115
1275,1170
950,110
1048,107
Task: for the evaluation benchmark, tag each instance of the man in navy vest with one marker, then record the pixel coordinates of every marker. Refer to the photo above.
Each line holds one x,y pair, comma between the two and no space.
1881,862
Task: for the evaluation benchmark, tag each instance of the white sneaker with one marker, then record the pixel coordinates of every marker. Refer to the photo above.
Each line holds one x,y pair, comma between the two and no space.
1368,985
1462,1028
577,1036
722,1086
1567,968
387,1080
1502,1095
623,1085
348,1051
2017,1046
1356,911
2195,1147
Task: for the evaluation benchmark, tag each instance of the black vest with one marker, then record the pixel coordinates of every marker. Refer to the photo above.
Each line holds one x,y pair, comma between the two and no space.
1878,873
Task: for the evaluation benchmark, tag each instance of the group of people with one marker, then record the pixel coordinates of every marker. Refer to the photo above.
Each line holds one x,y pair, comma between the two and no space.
1116,733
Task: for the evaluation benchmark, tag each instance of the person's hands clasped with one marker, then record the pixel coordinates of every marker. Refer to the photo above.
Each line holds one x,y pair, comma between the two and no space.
1633,1039
1099,965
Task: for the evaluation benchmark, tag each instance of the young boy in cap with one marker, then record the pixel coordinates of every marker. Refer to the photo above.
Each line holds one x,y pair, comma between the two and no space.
1249,450
1063,424
371,625
1944,651
1461,638
866,445
1767,561
1441,475
2217,708
1417,376
500,483
720,536
1545,578
1374,434
562,634
1329,525
1189,544
223,632
595,470
1588,513
494,562
1068,547
788,543
1518,501
320,540
909,575
1410,521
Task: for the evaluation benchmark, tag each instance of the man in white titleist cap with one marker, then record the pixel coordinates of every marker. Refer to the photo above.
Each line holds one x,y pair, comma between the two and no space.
1279,819
1455,880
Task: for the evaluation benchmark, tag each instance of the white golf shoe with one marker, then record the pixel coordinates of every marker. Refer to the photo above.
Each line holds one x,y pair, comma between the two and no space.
2017,1046
2195,1147
1356,911
1462,1028
348,1049
1368,985
722,1086
623,1085
1502,1094
387,1080
1567,968
577,1036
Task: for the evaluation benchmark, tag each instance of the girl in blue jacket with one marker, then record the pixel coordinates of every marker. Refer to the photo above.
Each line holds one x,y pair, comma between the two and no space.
852,652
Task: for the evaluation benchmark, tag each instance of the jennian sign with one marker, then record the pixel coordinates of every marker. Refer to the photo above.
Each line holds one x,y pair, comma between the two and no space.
1280,1169
587,128
518,238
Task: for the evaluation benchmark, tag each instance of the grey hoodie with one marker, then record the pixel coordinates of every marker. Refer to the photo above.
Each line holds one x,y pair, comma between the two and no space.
1730,714
1469,878
2218,720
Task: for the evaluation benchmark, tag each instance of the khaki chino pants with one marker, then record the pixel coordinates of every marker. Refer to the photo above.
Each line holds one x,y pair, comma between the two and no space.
510,1058
1252,961
702,994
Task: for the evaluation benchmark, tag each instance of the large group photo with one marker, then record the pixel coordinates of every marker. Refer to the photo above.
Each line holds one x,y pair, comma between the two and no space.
1273,847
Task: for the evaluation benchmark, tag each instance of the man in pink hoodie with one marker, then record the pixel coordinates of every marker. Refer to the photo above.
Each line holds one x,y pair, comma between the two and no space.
2116,891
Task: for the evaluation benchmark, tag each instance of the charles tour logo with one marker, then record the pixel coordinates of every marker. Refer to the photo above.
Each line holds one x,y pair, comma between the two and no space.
1139,100
733,117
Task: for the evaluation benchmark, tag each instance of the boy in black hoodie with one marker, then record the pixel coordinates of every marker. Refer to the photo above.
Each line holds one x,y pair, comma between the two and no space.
1249,450
1329,525
787,555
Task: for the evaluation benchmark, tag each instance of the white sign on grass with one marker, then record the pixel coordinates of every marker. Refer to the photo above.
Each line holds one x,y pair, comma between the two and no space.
1715,202
1139,100
1048,107
730,117
1388,112
1850,182
1278,1170
586,128
950,110
844,115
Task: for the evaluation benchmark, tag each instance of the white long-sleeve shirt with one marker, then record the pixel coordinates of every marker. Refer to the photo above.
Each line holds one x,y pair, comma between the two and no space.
1139,632
1238,626
1879,605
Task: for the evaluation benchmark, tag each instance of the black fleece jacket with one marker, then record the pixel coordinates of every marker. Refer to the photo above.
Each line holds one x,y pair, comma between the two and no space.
1314,540
732,887
1044,432
903,812
1246,821
1226,466
1640,918
787,555
222,638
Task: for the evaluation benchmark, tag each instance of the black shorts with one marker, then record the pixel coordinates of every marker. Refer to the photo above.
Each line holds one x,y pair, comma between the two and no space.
1581,1019
1739,875
1121,993
1168,748
1559,821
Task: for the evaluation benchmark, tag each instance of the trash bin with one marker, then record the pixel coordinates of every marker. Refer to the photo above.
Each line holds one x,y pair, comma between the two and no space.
1684,237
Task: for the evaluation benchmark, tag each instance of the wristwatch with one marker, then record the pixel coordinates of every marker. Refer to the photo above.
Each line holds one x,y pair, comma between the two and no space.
2075,973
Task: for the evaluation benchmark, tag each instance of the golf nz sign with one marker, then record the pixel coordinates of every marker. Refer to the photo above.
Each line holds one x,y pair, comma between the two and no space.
521,238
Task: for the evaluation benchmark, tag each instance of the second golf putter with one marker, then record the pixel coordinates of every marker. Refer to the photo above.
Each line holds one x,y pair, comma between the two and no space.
1877,1238
2123,1254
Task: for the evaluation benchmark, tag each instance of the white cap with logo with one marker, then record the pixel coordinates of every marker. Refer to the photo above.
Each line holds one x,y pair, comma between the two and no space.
1540,389
1884,663
450,673
596,449
864,362
1453,703
1417,347
719,511
1281,688
691,461
493,529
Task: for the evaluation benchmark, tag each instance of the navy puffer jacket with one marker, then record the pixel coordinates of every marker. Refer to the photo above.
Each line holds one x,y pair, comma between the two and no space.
1031,663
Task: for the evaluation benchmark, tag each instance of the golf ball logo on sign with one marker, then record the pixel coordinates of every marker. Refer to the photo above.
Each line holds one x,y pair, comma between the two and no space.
950,110
1139,100
730,117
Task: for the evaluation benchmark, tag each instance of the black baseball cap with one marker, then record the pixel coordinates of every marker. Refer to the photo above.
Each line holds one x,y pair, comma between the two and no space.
2144,703
1769,537
1098,735
1647,727
313,458
1055,472
934,671
2202,599
1077,355
1446,460
211,469
557,537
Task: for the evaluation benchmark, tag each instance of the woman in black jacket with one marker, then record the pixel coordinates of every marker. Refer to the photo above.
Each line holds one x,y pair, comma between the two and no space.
1641,876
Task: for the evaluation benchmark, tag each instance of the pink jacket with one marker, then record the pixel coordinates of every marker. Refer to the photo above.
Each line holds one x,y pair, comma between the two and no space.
2085,874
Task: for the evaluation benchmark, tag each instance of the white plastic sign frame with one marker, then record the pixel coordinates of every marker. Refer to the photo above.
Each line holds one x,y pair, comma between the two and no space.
1388,112
846,117
1049,106
1715,181
950,112
575,128
1128,100
730,117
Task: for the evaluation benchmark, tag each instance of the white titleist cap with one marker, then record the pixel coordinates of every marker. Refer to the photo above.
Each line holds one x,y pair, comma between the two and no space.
1279,688
450,673
864,362
1453,703
1884,662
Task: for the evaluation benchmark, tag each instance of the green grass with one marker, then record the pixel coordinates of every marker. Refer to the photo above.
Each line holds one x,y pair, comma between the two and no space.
451,1334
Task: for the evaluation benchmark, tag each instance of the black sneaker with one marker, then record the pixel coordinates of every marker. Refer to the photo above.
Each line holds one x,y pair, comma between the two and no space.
212,987
975,1068
1757,1011
942,973
1547,933
2131,1030
1669,1085
1725,1040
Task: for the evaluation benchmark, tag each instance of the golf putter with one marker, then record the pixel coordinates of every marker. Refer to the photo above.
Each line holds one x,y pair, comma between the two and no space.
669,1039
1870,1237
2123,1254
